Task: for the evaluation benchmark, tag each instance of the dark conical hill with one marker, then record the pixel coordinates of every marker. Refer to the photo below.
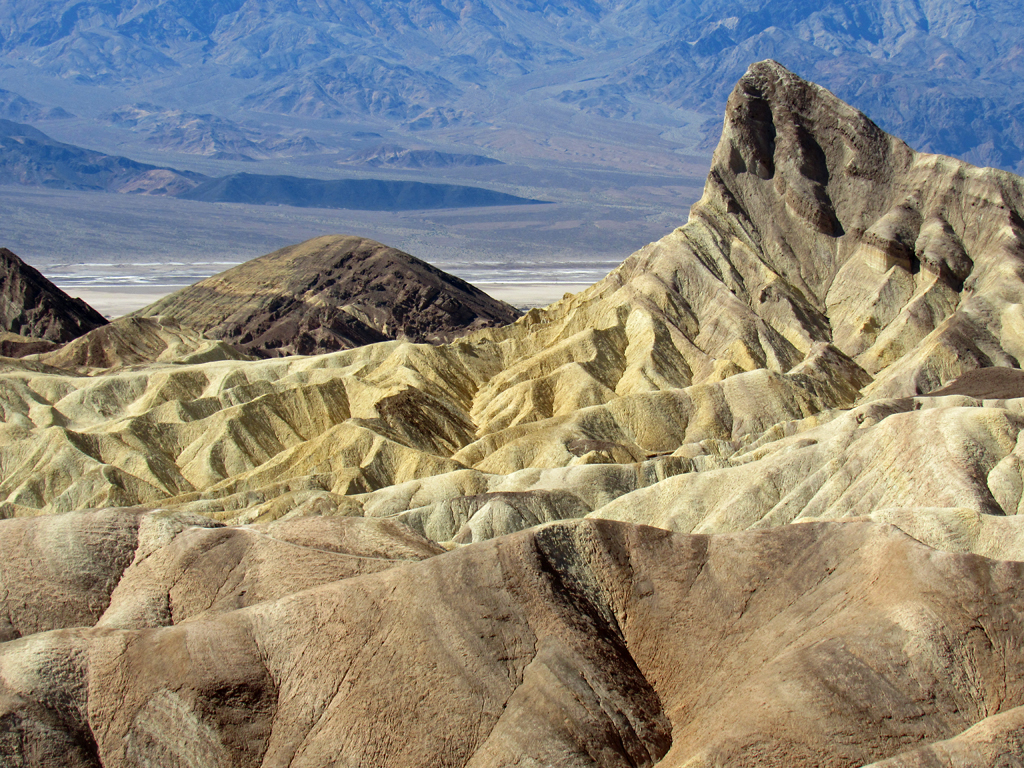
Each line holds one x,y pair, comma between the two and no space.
329,293
30,305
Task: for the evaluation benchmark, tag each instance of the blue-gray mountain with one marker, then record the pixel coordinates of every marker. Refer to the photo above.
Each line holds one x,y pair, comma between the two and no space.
15,107
31,158
944,74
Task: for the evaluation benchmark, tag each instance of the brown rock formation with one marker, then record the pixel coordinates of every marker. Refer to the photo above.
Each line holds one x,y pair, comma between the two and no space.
331,293
587,643
135,567
16,345
30,305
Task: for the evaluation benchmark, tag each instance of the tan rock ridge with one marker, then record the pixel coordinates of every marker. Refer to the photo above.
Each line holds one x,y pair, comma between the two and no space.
693,365
331,293
137,567
134,341
582,643
17,345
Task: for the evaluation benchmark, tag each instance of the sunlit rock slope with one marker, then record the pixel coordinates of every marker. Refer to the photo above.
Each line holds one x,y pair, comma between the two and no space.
584,643
820,367
827,278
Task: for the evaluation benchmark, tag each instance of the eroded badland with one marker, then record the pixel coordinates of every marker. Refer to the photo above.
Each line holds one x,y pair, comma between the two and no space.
778,453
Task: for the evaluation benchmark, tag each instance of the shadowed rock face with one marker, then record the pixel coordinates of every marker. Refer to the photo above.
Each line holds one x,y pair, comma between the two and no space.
16,345
331,293
30,305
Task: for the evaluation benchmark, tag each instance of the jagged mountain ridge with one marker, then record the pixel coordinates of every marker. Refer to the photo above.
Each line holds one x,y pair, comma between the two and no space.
944,75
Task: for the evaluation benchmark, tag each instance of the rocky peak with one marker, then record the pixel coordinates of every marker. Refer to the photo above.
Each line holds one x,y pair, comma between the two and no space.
801,172
30,305
830,230
330,293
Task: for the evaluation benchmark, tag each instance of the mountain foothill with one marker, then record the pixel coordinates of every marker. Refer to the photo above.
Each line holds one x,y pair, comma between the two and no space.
751,499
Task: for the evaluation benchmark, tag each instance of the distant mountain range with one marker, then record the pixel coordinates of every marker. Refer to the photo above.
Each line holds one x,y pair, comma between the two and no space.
391,156
944,75
15,107
30,157
205,134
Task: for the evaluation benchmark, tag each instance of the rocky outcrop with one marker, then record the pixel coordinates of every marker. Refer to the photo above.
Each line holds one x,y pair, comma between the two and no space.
331,293
16,345
32,306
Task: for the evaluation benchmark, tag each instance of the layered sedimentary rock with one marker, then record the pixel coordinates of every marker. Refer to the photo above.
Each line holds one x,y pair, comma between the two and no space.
583,643
331,293
17,345
32,306
136,568
827,266
134,341
811,389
